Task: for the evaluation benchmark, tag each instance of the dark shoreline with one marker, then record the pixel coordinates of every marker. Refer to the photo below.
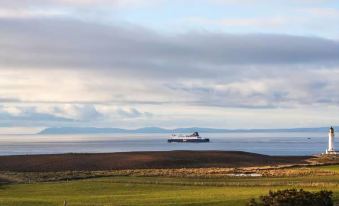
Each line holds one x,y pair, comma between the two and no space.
142,160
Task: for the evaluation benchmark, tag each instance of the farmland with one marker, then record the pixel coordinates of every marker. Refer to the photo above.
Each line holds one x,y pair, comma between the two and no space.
157,190
162,186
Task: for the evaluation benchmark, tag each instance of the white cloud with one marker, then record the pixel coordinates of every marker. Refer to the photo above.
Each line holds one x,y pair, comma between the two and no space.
12,110
240,22
60,71
122,3
323,12
121,76
78,112
75,4
30,13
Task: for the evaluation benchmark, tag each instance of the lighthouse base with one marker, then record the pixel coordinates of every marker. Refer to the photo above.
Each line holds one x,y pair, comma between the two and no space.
332,152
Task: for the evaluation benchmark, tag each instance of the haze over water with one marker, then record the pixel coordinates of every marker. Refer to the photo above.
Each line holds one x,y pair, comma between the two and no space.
286,143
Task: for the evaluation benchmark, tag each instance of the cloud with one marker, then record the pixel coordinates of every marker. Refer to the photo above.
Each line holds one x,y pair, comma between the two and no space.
78,9
288,88
131,113
29,13
73,3
58,71
27,116
323,12
277,2
44,115
77,112
37,115
130,65
53,43
240,22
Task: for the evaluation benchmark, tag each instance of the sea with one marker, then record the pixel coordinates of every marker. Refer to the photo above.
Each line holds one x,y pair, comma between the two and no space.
269,143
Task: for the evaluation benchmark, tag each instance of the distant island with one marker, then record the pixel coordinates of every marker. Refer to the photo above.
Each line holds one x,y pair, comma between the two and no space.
97,130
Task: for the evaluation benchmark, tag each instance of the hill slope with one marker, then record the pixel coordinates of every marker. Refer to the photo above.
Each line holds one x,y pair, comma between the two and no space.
141,160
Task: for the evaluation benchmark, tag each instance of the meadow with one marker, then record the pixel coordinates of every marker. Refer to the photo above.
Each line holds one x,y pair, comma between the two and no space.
151,187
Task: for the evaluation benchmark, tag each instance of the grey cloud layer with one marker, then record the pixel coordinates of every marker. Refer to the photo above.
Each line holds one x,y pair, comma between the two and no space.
174,71
29,116
63,114
59,43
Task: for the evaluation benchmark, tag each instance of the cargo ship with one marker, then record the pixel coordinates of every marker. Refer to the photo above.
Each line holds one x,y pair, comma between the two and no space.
188,138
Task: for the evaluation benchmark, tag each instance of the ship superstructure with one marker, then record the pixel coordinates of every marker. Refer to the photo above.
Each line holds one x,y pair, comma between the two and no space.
188,138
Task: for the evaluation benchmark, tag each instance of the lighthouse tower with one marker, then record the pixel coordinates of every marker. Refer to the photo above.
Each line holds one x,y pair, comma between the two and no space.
331,149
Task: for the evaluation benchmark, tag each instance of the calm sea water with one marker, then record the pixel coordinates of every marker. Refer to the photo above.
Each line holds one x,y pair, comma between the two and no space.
287,143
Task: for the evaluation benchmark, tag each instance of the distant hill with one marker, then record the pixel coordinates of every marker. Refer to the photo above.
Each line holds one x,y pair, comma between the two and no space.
96,130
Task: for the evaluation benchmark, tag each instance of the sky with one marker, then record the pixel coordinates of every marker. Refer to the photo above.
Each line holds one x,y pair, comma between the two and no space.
169,63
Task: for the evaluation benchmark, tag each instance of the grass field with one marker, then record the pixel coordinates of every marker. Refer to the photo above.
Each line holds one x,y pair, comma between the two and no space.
161,190
105,179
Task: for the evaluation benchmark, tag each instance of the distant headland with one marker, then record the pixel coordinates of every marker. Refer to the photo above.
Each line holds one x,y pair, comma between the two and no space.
98,130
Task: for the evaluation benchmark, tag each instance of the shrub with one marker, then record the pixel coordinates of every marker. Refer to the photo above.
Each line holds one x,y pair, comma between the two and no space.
293,197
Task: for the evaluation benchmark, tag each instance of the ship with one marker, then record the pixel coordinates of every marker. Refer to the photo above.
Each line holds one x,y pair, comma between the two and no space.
188,138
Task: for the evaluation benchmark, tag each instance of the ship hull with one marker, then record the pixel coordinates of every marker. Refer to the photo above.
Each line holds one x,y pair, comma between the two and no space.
189,140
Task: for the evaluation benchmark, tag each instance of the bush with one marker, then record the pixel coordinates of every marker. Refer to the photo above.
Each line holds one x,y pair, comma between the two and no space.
294,197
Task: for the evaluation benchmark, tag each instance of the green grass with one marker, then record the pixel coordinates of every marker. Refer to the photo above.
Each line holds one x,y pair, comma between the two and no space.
157,191
334,168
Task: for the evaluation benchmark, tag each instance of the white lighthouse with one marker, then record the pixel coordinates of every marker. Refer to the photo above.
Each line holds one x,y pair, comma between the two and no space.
331,149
